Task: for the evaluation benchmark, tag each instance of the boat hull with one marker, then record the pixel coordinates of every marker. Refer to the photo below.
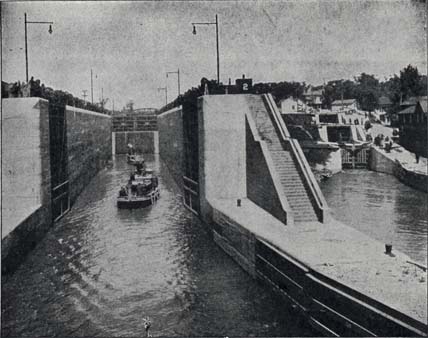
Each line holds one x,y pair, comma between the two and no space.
138,202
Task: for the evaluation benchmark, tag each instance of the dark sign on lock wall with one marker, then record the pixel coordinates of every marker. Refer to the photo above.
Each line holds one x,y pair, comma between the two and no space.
244,85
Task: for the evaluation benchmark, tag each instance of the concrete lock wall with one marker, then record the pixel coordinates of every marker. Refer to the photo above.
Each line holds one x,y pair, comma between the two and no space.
170,126
26,197
381,163
26,175
260,187
222,126
88,146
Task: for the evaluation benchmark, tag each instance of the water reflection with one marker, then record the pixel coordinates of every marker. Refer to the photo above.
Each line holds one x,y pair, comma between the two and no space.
100,270
382,207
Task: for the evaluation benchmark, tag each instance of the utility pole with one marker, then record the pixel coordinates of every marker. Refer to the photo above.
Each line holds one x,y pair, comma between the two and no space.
178,79
84,95
26,49
166,93
92,88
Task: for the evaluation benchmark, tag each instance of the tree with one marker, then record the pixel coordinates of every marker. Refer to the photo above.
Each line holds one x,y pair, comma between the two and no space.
410,82
367,91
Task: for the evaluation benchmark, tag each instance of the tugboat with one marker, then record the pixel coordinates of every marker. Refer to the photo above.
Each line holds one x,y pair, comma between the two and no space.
141,191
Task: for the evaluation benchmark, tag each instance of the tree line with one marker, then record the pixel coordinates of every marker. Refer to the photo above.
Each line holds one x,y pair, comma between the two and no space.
365,88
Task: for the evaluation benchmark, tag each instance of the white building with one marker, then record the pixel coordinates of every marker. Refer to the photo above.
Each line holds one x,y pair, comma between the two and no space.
292,105
344,105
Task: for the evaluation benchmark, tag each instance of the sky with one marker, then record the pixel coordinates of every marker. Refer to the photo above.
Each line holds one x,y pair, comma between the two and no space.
130,45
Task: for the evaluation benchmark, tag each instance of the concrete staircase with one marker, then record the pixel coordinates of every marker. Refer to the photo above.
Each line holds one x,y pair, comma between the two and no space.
286,168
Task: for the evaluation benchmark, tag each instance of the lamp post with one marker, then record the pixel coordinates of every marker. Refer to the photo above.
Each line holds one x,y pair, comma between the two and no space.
178,78
50,23
166,93
216,34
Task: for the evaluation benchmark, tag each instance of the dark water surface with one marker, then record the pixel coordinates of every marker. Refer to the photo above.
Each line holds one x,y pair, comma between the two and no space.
100,270
382,207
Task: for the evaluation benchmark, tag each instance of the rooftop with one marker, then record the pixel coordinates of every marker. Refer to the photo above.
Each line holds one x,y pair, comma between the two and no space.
344,102
413,100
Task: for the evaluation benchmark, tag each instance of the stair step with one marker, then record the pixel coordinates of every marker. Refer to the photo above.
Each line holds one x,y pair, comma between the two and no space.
297,196
291,182
302,211
302,203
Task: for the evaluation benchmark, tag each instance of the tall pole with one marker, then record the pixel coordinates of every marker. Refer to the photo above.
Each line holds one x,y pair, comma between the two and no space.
178,75
92,89
194,24
26,22
178,80
218,56
26,51
166,93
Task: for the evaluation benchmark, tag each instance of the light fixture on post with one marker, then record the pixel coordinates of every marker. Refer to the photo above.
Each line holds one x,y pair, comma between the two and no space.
50,23
194,24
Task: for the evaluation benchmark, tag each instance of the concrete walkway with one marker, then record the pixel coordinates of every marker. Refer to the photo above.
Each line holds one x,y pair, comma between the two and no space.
341,253
405,157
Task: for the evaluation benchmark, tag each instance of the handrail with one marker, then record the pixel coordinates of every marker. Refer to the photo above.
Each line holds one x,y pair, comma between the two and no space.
283,130
297,151
302,158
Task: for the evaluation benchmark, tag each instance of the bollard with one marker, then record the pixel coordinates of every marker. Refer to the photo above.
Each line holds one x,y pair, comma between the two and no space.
238,202
388,249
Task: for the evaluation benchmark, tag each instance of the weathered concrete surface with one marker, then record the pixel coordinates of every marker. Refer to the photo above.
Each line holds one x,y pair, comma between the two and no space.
25,160
262,178
170,126
88,146
402,164
406,159
26,189
341,253
222,146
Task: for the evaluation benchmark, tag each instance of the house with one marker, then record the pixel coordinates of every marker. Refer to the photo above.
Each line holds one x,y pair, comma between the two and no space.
313,96
342,105
385,103
412,101
412,122
292,105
